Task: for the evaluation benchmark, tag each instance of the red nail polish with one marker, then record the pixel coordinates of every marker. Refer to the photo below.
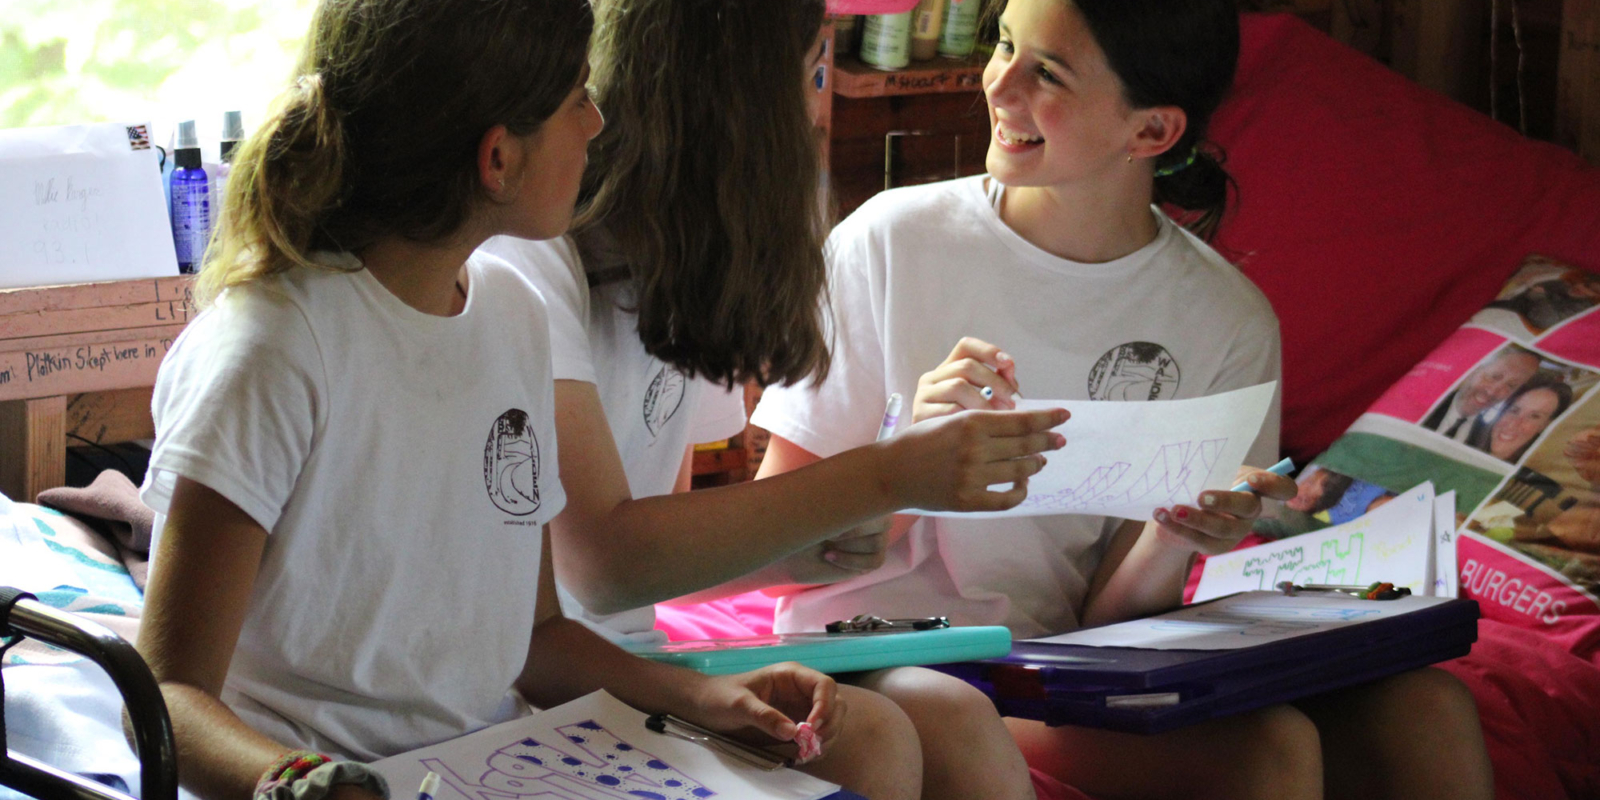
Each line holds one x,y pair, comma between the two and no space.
1183,513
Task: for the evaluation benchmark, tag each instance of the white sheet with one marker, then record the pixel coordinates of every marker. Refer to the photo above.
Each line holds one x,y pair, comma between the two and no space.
1126,459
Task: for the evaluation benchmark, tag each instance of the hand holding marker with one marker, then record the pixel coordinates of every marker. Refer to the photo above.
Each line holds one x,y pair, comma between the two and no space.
1283,467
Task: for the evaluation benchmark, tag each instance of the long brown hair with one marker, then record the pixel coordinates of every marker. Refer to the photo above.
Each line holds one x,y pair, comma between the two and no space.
706,176
378,135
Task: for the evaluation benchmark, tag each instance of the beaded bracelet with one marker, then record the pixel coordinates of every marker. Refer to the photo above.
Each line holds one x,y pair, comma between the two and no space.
294,765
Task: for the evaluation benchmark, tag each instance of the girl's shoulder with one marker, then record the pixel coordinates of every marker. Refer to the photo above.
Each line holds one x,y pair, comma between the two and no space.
550,268
1211,280
926,205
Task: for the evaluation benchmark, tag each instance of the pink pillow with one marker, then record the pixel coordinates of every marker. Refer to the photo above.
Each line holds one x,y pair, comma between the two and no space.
1377,215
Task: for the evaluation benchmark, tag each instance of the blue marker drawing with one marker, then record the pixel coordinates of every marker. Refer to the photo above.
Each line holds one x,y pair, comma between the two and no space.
588,763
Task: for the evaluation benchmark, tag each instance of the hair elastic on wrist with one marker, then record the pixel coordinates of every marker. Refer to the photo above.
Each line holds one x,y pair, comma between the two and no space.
293,766
1194,152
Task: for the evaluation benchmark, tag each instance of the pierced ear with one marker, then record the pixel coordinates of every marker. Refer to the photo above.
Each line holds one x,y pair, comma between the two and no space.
497,158
1163,127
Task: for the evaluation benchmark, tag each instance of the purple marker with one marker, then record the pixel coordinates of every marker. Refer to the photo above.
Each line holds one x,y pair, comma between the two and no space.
430,786
891,417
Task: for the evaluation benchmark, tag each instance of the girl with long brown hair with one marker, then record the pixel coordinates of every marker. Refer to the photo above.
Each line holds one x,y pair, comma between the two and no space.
696,265
356,453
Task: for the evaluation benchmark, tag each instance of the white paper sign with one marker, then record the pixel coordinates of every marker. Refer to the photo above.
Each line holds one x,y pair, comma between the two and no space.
81,203
593,748
1126,459
1243,620
1390,544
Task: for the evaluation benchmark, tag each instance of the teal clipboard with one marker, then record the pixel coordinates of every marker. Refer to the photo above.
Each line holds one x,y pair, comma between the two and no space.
833,652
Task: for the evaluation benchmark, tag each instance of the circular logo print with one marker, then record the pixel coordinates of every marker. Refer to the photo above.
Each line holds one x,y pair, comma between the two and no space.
1134,371
662,398
511,464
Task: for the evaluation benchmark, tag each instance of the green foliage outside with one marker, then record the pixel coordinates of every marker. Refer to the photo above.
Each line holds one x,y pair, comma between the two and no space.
76,61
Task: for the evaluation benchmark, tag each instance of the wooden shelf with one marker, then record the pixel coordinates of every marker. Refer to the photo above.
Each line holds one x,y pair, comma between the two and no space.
79,358
852,78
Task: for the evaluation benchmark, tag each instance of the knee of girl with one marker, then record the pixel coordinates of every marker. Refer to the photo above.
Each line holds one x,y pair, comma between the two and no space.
876,724
1436,696
1280,748
927,695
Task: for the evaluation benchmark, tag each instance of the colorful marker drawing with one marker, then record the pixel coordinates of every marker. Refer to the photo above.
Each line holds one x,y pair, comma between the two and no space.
1176,474
1338,562
591,764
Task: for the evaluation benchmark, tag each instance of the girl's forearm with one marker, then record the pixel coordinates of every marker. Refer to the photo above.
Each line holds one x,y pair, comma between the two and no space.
654,549
567,660
222,757
1147,579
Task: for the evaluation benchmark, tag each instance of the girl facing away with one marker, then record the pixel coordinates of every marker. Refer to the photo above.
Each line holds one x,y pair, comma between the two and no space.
1056,268
697,263
356,453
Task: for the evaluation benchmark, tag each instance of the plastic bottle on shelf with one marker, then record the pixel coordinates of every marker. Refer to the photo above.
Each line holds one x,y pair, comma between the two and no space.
927,20
886,40
232,135
191,201
960,34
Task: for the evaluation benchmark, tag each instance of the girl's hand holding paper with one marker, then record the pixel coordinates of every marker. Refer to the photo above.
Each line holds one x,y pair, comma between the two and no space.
1129,459
1225,516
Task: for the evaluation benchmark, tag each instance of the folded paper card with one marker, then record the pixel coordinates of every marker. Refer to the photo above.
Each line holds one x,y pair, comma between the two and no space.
1397,542
593,748
1126,459
81,203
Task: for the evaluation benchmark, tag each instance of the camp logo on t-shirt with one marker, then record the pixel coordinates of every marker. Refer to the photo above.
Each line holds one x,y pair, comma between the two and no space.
1134,371
511,464
663,398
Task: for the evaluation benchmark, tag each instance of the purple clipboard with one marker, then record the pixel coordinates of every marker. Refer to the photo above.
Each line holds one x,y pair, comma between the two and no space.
1150,691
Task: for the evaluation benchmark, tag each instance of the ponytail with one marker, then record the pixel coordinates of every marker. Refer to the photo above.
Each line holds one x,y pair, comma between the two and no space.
379,136
285,180
1193,178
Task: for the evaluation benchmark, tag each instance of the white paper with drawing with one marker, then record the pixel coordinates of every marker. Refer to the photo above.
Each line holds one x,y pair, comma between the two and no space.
593,748
1126,459
1243,620
1390,543
81,203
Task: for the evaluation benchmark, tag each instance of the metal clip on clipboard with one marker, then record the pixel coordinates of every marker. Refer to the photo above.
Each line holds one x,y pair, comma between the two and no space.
1376,591
868,623
668,725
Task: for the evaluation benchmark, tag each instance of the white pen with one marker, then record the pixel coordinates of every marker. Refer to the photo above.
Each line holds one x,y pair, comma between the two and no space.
891,417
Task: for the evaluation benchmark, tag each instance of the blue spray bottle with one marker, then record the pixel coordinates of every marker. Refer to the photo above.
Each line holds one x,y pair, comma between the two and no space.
191,201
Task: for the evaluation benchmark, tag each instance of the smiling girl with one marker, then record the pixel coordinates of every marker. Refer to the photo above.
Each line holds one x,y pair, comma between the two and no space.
1099,110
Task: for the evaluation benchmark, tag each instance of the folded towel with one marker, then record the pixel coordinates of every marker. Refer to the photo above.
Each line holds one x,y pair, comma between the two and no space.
111,507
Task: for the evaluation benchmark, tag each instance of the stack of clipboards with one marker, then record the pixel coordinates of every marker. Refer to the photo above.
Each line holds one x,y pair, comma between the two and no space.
1224,657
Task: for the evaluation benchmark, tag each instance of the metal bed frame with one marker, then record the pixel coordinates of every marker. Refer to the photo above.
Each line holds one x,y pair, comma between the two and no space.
22,616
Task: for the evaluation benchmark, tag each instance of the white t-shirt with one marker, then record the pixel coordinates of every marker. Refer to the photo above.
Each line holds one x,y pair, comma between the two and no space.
915,269
403,465
654,410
